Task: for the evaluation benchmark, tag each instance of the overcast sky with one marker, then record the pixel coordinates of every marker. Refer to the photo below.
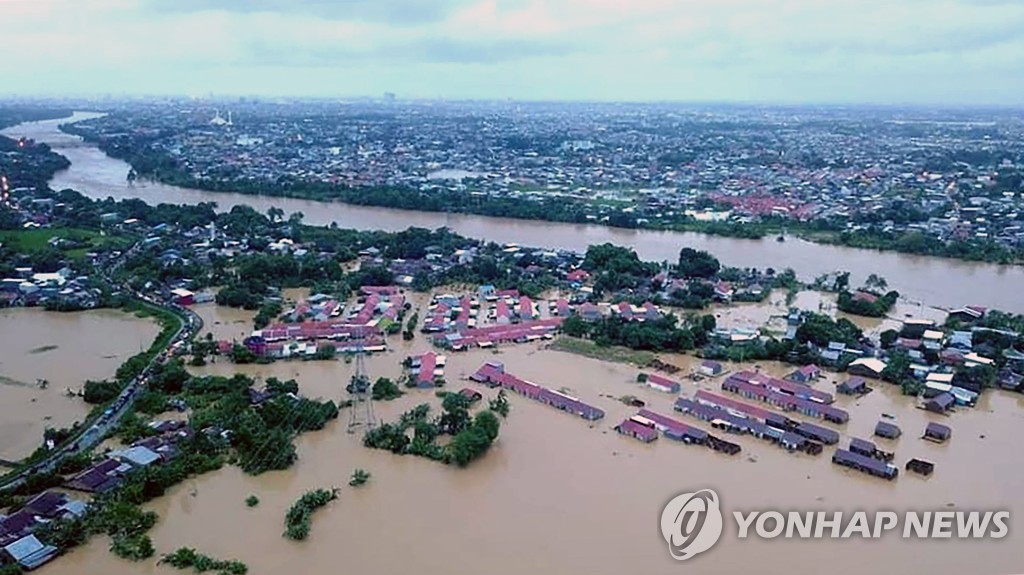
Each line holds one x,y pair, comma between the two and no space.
872,51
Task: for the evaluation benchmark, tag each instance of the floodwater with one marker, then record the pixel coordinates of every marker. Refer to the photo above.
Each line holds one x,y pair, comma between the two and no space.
935,281
557,494
772,312
65,349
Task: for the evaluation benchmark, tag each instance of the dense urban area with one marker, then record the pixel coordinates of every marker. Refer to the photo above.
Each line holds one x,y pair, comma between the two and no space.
945,183
912,181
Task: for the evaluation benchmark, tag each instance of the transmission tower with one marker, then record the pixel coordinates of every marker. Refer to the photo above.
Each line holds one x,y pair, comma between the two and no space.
360,413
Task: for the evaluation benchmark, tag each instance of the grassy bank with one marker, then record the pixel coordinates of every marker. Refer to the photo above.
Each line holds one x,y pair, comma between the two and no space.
590,349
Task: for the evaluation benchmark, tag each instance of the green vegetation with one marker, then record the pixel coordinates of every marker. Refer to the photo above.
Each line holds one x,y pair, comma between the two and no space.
661,334
821,329
471,436
867,303
101,391
500,404
252,501
592,350
359,477
697,264
614,268
410,328
385,390
188,558
299,518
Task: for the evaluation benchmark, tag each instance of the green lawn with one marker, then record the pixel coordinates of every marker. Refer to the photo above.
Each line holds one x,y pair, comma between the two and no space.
29,241
590,349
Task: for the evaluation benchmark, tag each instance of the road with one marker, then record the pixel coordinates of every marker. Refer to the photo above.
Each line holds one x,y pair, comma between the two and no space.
98,428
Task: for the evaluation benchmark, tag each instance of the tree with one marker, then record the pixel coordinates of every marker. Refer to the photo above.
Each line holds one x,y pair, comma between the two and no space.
842,282
384,389
456,413
359,477
897,369
500,404
911,386
697,263
275,385
101,391
575,326
325,352
275,214
241,354
876,281
888,337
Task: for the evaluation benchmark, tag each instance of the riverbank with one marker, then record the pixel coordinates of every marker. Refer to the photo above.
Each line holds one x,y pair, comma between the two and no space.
935,281
558,209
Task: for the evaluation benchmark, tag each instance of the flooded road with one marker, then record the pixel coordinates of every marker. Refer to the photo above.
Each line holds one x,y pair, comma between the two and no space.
936,281
65,350
559,495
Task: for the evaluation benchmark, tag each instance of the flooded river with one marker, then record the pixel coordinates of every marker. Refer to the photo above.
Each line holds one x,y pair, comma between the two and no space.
936,281
559,495
65,350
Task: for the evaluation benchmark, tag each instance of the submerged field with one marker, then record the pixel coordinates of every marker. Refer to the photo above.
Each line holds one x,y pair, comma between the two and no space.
46,354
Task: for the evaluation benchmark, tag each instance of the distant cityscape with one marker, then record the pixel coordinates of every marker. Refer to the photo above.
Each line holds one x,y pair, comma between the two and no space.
905,177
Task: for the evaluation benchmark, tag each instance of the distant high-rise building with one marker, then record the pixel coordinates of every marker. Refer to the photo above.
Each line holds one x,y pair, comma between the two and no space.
389,96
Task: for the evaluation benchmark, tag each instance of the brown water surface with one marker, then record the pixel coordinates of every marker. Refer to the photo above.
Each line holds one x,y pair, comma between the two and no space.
559,495
65,349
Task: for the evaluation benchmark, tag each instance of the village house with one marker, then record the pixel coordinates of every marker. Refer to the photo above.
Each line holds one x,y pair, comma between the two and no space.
887,430
937,432
660,383
805,374
940,403
427,368
856,385
639,428
867,367
710,368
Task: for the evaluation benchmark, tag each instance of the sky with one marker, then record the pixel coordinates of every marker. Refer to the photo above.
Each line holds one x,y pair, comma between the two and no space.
783,51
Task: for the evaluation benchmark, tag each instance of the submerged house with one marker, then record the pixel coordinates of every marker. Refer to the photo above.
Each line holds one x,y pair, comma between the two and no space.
865,464
710,368
940,403
805,374
638,428
662,384
673,429
937,432
856,385
887,430
493,374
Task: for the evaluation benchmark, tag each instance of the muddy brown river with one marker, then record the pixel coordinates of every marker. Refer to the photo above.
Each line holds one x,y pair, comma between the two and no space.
65,349
935,281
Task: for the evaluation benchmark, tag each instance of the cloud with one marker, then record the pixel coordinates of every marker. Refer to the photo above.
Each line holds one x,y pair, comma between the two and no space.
397,13
959,51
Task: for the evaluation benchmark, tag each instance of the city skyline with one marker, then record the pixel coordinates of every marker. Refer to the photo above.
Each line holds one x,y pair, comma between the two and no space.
957,52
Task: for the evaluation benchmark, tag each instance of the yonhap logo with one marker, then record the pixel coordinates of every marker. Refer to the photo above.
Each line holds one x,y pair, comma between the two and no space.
691,523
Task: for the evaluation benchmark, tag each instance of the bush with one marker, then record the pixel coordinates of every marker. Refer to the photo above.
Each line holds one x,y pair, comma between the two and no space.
252,501
300,515
185,558
385,390
101,391
359,477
